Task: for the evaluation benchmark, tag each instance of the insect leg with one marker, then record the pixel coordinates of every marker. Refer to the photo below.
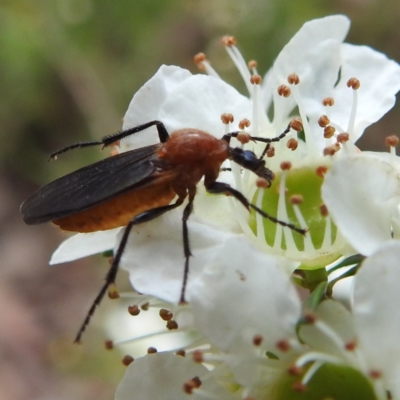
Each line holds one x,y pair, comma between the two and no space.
112,272
230,135
110,139
186,244
224,188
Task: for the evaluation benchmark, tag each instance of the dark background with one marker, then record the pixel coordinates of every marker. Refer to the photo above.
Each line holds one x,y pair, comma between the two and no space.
68,69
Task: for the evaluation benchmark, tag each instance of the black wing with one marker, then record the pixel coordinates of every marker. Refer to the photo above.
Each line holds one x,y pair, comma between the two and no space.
89,185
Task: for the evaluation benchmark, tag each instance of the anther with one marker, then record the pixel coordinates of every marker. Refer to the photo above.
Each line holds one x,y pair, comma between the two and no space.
270,152
292,144
323,209
329,131
375,374
391,141
151,350
109,344
351,346
293,79
181,353
331,150
193,383
228,41
199,58
252,64
296,199
113,292
166,315
262,183
243,137
127,360
294,370
323,121
353,83
134,310
283,345
257,340
343,137
255,79
309,317
145,306
172,325
296,124
244,123
286,165
198,356
299,387
284,91
328,101
321,171
227,118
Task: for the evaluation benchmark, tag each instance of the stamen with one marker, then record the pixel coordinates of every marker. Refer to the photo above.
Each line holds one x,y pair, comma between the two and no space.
299,387
343,137
321,171
296,124
257,340
181,353
256,80
109,344
392,141
151,350
294,370
165,314
329,131
113,292
229,42
331,150
284,91
199,58
283,345
311,371
172,325
244,123
292,144
328,101
134,310
323,121
314,356
243,137
351,346
193,383
262,184
271,151
227,119
127,360
252,64
198,356
353,83
375,374
145,306
293,79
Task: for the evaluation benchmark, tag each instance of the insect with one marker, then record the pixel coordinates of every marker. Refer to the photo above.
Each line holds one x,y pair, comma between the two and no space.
138,186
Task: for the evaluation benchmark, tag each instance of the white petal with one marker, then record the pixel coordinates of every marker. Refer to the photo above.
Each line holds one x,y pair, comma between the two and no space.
339,320
312,53
161,376
84,244
380,81
362,193
146,103
199,101
376,311
154,255
244,293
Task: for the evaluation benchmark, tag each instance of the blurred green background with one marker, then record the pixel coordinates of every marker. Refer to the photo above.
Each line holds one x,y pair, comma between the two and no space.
68,69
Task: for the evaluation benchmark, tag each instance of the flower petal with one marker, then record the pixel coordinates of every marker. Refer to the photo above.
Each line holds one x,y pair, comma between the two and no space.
154,254
362,193
162,376
243,293
84,244
376,311
146,103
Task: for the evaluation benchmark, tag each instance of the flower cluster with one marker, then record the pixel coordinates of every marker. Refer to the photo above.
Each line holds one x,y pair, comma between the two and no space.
248,334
